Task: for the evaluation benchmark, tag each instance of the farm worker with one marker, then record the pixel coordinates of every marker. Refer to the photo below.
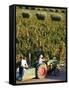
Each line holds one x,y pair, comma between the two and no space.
24,63
23,66
41,59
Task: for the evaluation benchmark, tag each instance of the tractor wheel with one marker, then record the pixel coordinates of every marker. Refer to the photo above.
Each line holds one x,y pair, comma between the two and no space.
42,71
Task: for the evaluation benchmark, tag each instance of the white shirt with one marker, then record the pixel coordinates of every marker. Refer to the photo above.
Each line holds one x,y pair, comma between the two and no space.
40,60
24,63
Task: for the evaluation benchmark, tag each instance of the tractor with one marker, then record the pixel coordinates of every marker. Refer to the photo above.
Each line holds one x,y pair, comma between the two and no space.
40,71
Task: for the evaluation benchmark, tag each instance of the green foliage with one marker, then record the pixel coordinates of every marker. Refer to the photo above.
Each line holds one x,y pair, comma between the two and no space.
41,36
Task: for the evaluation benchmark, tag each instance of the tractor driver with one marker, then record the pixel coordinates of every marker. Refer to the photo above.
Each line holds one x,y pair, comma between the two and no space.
41,59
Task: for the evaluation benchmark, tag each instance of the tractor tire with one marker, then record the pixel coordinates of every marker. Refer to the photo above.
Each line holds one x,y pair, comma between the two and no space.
42,71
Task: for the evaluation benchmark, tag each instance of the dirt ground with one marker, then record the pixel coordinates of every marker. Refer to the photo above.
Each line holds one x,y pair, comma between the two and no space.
61,76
